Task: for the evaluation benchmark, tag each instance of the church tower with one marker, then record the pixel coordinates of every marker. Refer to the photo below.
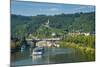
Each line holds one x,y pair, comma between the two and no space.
47,23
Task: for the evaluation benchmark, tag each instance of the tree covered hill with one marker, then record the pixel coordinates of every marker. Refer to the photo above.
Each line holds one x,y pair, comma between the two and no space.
24,25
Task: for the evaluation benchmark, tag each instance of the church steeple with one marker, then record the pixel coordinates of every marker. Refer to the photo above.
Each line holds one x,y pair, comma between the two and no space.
47,23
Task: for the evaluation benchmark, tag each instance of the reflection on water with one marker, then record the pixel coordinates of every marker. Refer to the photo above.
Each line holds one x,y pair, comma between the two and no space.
51,55
36,59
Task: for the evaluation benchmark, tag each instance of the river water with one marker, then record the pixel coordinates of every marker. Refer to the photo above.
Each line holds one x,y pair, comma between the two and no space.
50,56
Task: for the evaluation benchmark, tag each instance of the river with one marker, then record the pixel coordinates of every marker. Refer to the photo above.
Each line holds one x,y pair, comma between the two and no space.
50,56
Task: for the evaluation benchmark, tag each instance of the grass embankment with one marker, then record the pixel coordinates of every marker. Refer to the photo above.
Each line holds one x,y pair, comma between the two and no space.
85,44
87,51
77,46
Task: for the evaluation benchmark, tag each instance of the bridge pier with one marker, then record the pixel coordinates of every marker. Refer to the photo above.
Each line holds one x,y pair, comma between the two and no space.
33,44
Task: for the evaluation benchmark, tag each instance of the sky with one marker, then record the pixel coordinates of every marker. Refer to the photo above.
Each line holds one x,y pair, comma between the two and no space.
35,8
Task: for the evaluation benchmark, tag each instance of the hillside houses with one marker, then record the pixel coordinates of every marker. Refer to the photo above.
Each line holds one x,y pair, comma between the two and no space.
78,33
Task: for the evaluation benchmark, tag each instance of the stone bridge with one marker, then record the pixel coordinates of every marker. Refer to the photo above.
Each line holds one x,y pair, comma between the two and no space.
49,41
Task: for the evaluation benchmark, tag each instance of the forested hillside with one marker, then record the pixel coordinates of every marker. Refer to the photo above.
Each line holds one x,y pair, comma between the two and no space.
24,25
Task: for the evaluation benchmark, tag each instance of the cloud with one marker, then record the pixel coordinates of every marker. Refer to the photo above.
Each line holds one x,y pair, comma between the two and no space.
79,8
84,8
49,9
54,9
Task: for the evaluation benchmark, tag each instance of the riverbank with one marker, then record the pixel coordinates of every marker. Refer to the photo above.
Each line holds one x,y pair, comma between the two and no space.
89,52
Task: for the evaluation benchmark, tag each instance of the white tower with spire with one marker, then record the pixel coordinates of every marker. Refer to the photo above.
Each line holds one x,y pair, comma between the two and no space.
47,23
